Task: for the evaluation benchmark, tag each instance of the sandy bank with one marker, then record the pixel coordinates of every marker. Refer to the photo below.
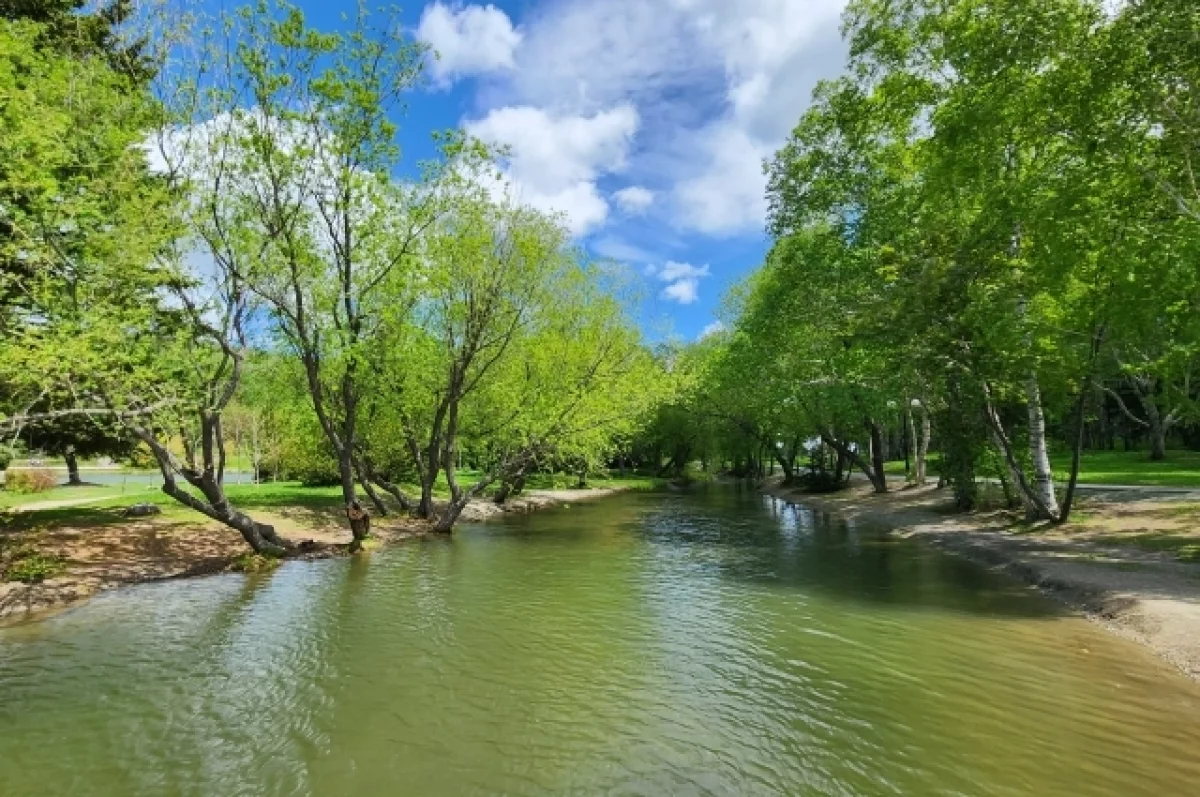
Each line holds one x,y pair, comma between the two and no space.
1092,565
100,558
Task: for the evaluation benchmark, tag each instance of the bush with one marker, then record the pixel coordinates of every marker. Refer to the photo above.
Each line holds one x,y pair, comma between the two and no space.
34,480
309,460
254,563
30,567
5,458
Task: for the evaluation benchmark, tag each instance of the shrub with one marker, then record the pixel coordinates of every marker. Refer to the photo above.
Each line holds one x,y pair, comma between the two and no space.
5,458
31,568
254,563
33,480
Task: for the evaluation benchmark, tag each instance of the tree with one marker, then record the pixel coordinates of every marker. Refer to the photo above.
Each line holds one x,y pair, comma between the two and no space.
292,148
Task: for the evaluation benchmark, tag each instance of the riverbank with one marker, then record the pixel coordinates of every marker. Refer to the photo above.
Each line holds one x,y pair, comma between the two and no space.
1127,565
101,550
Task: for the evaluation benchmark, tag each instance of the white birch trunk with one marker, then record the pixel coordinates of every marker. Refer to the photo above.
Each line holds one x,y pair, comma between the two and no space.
1038,454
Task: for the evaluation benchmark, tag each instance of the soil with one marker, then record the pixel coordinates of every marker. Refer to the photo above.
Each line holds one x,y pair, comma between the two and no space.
105,557
1096,565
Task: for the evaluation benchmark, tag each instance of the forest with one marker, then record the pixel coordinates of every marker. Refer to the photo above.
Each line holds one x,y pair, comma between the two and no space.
985,253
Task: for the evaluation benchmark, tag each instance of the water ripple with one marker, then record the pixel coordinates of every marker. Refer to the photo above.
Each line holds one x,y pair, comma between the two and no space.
721,644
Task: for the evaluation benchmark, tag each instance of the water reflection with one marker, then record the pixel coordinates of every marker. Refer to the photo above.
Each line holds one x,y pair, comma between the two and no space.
709,643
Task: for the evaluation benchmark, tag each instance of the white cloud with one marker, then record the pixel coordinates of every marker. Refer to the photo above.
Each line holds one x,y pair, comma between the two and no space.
673,271
634,200
618,249
684,291
739,74
554,161
683,280
729,195
715,328
468,40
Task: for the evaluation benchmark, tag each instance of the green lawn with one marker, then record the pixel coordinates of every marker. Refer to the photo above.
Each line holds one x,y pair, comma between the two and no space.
1180,469
248,497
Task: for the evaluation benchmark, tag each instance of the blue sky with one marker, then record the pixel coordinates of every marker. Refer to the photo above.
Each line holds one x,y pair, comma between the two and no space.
643,121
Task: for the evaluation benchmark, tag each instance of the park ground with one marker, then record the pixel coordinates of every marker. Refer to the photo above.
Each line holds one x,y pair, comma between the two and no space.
64,545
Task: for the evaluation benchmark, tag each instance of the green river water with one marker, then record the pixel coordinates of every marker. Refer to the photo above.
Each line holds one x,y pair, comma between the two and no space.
720,643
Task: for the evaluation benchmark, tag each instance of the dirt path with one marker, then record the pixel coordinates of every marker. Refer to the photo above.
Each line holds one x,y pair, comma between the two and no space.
1150,597
123,552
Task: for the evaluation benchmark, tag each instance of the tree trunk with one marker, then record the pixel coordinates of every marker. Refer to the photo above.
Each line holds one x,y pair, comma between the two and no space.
259,536
376,501
1034,508
425,506
878,481
1018,485
1157,430
1154,424
72,467
357,516
1038,453
787,464
1076,451
394,491
922,449
878,474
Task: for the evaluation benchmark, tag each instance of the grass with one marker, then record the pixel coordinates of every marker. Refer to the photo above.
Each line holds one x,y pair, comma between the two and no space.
1180,469
897,468
102,511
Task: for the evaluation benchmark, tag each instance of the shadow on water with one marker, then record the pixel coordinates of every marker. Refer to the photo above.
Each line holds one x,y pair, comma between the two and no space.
785,544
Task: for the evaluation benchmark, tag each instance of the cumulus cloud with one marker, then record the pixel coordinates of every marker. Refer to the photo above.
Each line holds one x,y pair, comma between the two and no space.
715,328
468,40
554,161
683,280
717,85
634,200
728,195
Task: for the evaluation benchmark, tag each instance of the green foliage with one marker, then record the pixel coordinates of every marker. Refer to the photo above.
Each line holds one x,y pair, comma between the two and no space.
963,441
26,565
5,458
255,563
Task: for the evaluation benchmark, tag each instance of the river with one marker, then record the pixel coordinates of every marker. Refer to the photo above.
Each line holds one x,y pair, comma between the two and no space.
718,643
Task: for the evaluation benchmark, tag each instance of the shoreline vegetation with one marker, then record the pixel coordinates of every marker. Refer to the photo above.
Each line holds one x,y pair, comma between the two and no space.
95,549
1126,565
